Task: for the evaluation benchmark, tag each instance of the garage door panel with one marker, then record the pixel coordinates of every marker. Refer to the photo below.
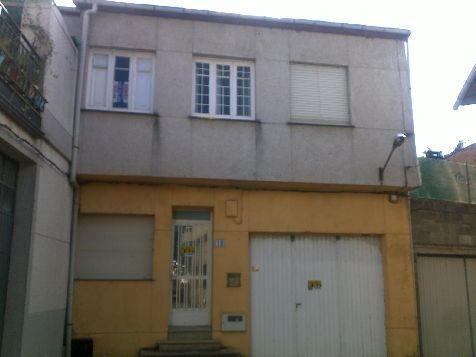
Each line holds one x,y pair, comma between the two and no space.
344,317
471,282
315,259
361,297
443,307
272,309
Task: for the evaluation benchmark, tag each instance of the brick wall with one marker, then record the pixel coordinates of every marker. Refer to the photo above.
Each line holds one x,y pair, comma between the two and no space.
445,223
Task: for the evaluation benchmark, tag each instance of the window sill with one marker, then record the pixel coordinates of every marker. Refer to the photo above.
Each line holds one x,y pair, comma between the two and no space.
224,119
93,110
321,123
115,279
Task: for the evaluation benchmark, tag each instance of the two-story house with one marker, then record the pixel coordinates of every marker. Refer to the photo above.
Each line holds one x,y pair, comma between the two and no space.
231,184
38,63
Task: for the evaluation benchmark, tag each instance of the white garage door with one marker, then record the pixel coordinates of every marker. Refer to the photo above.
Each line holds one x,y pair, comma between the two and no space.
447,297
292,316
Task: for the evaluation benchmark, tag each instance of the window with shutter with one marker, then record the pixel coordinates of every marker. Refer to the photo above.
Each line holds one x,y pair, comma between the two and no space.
121,81
319,93
112,246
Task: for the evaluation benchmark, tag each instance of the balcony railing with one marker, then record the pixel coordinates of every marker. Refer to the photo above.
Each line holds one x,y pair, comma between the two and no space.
21,75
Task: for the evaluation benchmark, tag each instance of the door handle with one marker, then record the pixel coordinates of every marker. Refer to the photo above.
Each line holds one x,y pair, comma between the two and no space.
298,304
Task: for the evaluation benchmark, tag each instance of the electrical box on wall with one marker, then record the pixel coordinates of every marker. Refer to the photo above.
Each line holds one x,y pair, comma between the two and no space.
233,322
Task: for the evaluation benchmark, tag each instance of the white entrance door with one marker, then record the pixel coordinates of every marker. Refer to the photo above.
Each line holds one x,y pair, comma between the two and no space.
191,269
316,296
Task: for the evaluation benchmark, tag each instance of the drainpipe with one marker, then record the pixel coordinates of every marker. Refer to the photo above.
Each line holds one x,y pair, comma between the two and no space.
72,173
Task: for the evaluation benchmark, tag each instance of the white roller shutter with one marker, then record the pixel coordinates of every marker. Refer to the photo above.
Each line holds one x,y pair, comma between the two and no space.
319,93
114,246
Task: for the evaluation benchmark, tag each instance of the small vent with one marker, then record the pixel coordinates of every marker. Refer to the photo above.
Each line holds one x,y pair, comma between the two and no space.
82,347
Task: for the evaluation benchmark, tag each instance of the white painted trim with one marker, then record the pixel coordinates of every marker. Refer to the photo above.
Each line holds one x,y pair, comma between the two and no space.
110,79
233,90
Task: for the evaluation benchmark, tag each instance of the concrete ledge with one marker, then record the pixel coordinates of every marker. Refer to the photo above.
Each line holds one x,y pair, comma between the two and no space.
120,112
320,123
255,121
85,178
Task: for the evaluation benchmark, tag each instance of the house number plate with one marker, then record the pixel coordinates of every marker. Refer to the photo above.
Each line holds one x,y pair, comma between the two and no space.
314,284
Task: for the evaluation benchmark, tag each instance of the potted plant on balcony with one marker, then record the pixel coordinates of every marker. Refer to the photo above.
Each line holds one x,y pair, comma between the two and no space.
4,42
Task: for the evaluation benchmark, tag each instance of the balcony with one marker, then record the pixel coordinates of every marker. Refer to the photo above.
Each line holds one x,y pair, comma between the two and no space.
21,76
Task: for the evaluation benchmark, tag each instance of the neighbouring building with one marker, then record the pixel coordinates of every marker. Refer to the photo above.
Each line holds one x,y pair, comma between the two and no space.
466,154
230,190
444,236
443,215
38,64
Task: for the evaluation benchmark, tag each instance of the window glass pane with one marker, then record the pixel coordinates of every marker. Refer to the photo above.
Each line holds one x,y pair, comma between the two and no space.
143,85
99,81
202,87
223,90
243,91
192,215
100,61
120,96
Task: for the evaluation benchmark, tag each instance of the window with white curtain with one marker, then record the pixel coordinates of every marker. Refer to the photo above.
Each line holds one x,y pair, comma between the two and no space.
223,89
121,81
319,93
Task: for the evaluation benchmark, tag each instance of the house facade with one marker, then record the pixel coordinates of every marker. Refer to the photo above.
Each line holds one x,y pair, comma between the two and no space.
38,64
229,184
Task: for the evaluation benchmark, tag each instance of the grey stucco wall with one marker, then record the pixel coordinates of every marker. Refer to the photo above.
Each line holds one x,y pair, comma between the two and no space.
37,285
443,223
36,295
55,44
271,149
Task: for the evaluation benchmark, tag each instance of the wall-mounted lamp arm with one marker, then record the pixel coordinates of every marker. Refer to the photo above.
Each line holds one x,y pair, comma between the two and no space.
397,142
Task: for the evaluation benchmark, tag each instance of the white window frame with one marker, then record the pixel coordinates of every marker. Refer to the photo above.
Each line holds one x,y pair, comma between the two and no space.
112,54
213,62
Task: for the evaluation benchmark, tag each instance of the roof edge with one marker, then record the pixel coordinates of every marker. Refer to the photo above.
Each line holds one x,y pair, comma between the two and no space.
471,78
262,21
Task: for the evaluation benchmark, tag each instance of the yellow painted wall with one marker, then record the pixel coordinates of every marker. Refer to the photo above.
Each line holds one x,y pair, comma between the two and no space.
124,316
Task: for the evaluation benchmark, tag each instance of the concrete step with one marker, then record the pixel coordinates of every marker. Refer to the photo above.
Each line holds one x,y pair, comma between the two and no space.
224,352
188,345
189,333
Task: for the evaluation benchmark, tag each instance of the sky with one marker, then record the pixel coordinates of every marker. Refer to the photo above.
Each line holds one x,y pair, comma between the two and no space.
442,51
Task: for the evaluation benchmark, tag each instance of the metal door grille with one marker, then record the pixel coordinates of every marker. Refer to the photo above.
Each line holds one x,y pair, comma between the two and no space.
190,265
